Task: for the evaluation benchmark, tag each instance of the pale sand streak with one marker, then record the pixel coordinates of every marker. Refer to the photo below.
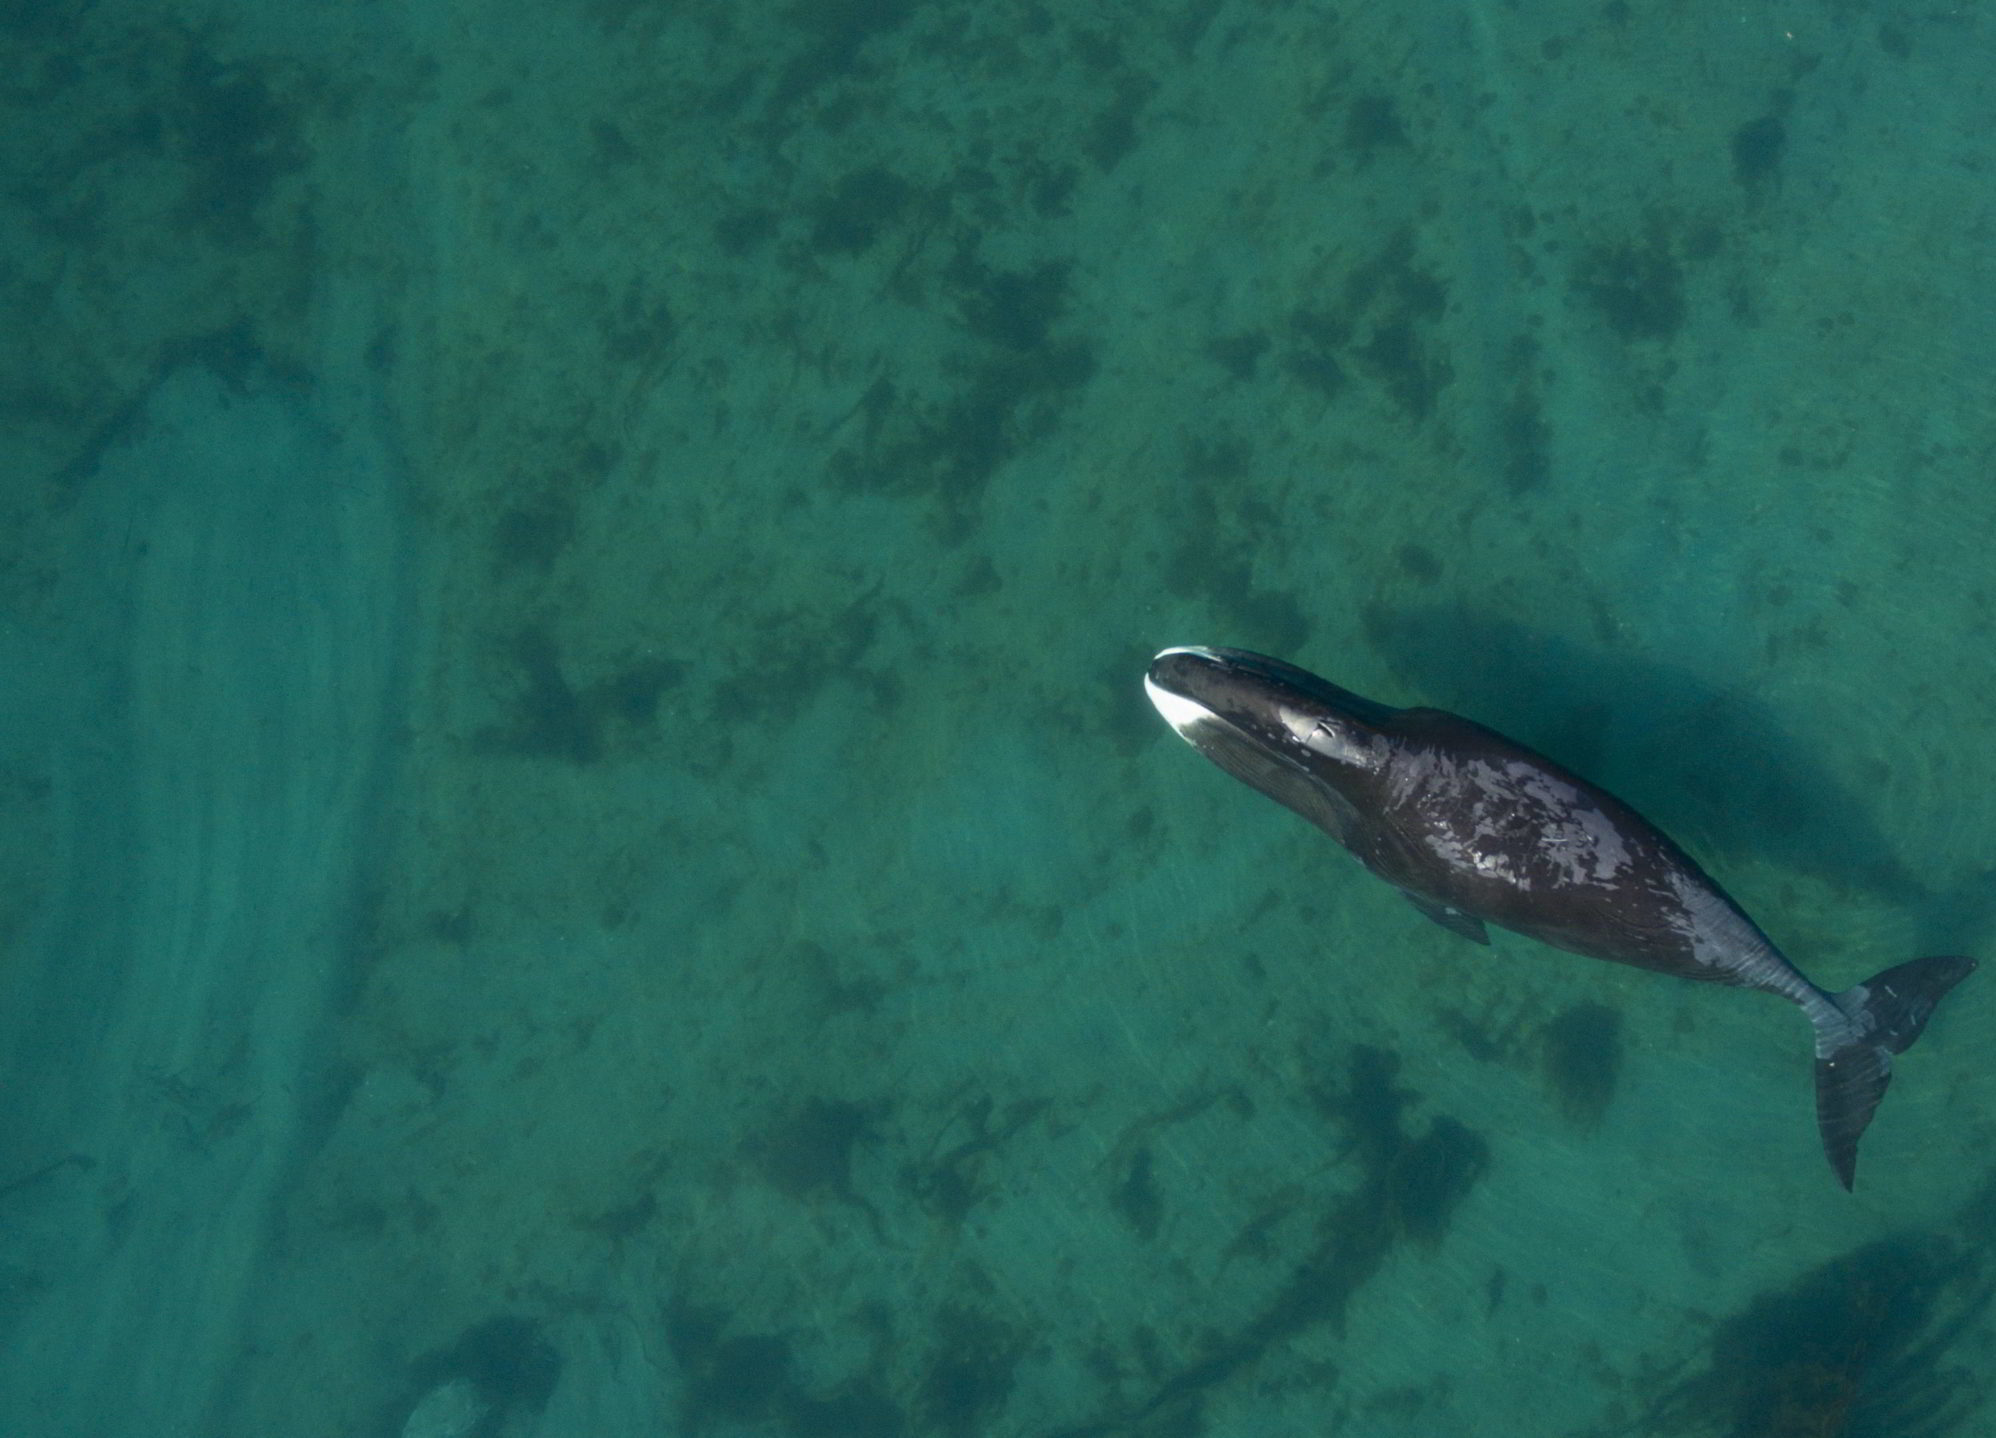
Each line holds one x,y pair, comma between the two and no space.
261,644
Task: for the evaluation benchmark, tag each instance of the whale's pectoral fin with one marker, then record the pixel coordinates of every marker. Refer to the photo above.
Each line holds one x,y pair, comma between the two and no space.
1454,920
1881,1018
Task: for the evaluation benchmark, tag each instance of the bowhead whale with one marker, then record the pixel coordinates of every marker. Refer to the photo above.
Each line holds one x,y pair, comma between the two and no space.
1475,829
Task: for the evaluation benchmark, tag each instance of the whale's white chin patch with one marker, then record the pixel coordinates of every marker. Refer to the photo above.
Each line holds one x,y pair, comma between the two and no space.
1179,712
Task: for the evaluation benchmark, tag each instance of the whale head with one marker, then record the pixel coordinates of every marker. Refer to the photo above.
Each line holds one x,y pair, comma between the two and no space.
1277,728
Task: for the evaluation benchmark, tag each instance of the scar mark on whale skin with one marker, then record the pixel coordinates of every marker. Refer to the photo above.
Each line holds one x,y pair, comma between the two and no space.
1512,808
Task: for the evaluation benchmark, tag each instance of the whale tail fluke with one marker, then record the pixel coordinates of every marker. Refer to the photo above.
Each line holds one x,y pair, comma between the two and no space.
1881,1017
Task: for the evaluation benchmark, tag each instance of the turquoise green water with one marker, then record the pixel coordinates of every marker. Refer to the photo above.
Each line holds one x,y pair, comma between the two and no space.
586,853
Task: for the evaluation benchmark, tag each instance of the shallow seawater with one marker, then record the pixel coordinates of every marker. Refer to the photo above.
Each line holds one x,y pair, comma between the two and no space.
588,853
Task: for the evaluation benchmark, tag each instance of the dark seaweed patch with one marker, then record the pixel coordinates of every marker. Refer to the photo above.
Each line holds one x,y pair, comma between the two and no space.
1418,561
1638,289
735,1378
851,218
1410,1188
1757,150
1856,1348
241,139
970,1371
1373,124
1238,354
810,1154
507,1360
1582,1054
1384,329
1136,1198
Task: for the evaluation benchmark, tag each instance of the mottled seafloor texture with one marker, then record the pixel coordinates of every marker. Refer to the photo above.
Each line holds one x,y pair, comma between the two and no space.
581,848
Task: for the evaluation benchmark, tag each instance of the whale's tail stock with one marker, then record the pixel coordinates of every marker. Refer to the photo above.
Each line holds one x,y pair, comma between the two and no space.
1854,1046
